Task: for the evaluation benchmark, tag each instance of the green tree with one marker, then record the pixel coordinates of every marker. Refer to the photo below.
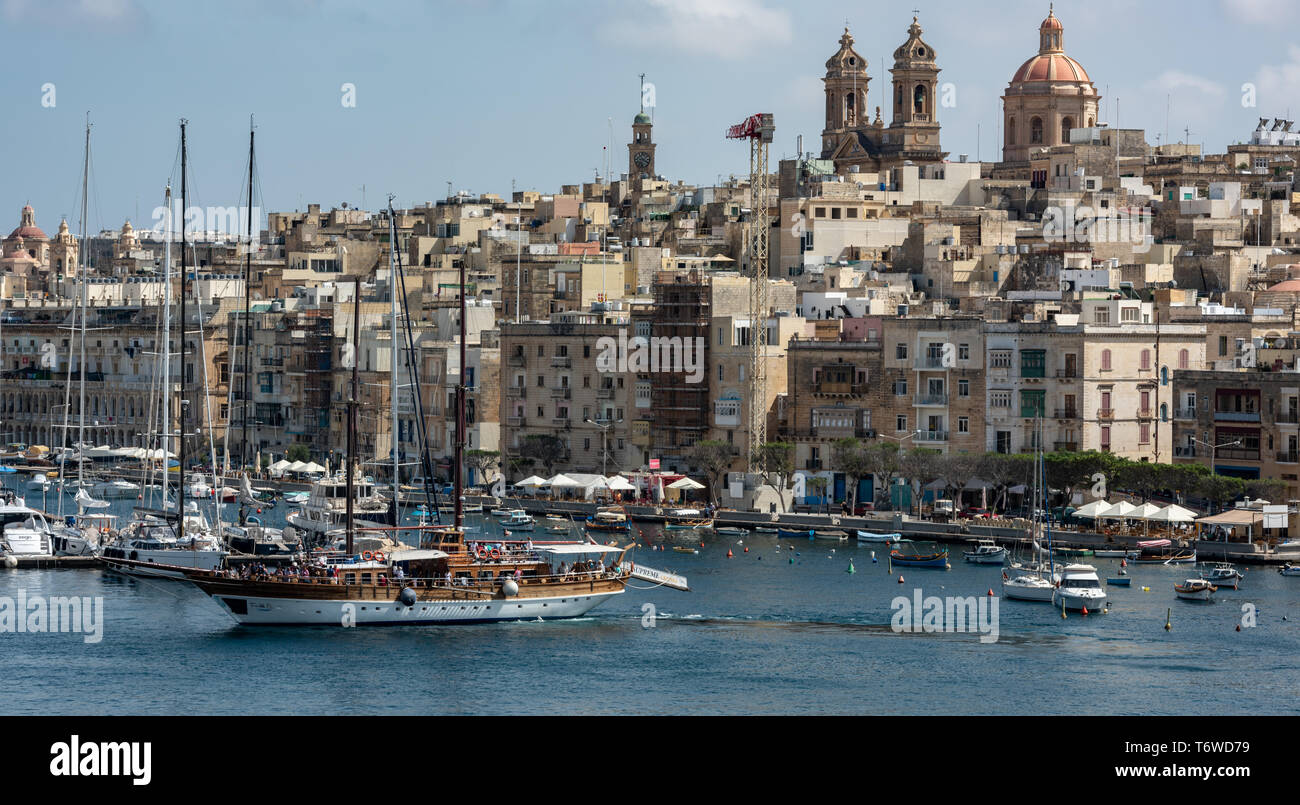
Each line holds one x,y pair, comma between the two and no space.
714,459
298,452
774,464
881,462
545,449
815,486
849,456
483,462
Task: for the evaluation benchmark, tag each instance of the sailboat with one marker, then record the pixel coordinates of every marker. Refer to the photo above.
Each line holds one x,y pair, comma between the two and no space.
443,580
1026,583
161,542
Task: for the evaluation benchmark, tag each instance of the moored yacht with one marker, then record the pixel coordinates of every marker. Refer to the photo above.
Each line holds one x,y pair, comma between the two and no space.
986,552
23,531
1079,588
324,516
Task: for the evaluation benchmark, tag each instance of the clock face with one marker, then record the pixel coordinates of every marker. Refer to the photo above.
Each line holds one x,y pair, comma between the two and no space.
642,159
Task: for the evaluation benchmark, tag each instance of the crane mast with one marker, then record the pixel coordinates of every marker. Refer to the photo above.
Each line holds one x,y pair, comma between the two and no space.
758,129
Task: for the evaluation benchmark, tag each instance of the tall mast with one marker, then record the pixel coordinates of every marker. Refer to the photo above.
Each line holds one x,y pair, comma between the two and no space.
392,373
352,404
82,299
166,419
180,450
248,297
460,407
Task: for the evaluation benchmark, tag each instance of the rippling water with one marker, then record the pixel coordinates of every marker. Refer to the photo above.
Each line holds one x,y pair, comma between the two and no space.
758,634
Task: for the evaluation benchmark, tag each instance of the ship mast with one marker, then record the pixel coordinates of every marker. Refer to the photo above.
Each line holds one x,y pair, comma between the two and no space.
392,369
352,406
460,410
180,436
248,299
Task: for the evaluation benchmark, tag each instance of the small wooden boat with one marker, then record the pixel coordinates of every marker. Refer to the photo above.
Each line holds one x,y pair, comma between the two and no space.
731,531
763,530
1115,553
1195,590
792,533
1119,581
1075,551
557,529
1289,569
1162,551
837,536
687,525
681,549
609,518
938,559
986,552
1222,574
871,536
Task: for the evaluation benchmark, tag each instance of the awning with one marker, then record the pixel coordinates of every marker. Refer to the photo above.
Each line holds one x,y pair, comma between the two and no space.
1173,514
618,483
1120,511
685,483
531,480
1093,509
1234,517
573,548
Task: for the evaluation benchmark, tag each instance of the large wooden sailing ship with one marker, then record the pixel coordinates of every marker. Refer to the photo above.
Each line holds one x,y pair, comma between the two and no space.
444,580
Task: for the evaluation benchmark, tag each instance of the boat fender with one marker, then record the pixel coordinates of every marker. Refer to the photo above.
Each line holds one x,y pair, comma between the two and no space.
11,561
407,597
510,588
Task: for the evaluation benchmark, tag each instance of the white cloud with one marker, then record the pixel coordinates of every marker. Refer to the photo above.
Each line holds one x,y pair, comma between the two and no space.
114,13
727,29
1277,82
1259,11
1175,80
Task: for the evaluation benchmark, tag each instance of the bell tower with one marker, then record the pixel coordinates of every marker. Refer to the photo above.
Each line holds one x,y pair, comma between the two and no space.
846,93
641,151
915,125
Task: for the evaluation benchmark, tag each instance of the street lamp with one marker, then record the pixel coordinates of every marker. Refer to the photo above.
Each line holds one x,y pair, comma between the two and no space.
1214,449
604,440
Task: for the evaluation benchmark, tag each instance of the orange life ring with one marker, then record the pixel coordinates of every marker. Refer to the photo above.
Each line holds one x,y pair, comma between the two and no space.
367,556
495,554
379,556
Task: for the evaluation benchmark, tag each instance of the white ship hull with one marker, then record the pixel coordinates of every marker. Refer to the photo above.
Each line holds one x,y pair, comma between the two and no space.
1028,591
166,564
1077,600
259,611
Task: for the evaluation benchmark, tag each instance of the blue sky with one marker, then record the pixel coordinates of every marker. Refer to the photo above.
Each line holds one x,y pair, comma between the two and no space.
478,93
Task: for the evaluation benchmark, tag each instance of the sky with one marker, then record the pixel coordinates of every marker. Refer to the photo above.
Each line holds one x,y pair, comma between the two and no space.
480,93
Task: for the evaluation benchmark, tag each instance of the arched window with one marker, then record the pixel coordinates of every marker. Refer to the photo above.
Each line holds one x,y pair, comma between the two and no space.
1067,123
898,99
1164,375
918,100
1036,130
850,109
1184,359
1105,360
1011,131
1164,412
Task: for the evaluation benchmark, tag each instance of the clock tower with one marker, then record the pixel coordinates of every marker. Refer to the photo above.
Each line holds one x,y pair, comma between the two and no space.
641,151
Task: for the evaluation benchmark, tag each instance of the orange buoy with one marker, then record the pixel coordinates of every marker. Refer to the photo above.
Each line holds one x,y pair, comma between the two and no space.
746,550
1123,563
1085,612
729,553
990,592
900,579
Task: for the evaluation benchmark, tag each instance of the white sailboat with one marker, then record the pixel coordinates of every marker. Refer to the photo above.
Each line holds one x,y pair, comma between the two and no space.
1026,582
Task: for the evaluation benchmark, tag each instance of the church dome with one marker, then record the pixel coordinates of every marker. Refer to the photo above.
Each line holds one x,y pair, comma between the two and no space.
1051,67
27,228
641,118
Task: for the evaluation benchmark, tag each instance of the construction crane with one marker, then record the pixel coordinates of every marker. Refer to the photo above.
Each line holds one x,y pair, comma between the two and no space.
758,129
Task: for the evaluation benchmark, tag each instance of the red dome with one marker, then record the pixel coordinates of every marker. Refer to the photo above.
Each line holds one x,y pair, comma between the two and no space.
1052,22
28,229
1051,67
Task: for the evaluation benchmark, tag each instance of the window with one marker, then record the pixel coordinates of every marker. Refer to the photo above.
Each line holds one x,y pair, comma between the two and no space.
836,213
900,388
1146,360
1223,345
900,352
1033,363
1144,433
963,388
1035,130
1105,438
1033,404
900,423
1128,314
963,424
1101,315
819,212
1011,131
999,399
1067,123
1105,360
963,352
1000,359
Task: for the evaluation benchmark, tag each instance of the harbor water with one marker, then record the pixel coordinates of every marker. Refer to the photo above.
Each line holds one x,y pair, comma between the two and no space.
758,634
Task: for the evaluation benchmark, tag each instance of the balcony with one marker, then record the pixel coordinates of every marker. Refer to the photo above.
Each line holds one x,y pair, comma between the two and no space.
812,464
604,393
516,421
931,400
1106,413
1237,454
518,359
930,362
1067,413
1287,417
561,393
1067,374
931,436
562,361
516,392
1066,447
1237,416
726,413
1185,451
1146,413
1289,458
562,422
840,389
1185,413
